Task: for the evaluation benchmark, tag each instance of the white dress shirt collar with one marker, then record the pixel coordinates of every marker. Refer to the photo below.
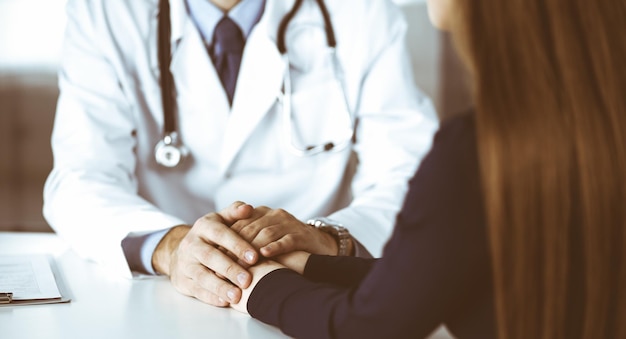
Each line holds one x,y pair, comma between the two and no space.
206,15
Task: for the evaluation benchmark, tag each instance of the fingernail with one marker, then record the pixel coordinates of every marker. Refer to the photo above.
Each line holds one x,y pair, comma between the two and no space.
231,295
249,255
242,278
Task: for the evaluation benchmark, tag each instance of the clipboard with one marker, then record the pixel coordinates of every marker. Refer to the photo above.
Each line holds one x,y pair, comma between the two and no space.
30,280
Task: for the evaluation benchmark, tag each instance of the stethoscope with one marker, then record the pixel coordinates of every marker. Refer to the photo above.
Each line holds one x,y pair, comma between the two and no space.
170,151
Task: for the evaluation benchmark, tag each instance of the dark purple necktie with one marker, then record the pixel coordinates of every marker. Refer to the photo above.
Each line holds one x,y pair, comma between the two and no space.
226,53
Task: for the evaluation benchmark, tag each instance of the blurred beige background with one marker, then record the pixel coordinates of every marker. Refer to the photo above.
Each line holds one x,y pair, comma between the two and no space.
30,38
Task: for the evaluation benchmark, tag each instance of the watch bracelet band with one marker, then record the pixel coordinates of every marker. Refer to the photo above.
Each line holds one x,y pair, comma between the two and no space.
337,231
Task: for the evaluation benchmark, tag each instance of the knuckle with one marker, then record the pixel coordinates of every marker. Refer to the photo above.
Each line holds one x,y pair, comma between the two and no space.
273,213
263,209
185,243
231,270
268,232
289,240
277,247
210,282
238,226
201,222
197,272
197,223
214,233
239,250
223,290
210,230
205,254
185,270
246,233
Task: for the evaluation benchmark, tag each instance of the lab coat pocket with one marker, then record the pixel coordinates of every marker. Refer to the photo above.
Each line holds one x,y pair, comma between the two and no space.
319,115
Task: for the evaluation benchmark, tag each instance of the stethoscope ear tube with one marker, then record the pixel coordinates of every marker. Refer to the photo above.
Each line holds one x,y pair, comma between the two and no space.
282,28
330,31
284,23
164,51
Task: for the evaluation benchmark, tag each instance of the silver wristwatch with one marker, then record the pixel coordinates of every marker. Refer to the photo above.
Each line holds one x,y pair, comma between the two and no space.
337,231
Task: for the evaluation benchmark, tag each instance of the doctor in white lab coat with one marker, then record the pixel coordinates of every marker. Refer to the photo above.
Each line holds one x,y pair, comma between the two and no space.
106,186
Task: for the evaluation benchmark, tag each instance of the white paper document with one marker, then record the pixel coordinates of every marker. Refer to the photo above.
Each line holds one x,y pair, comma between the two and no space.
29,278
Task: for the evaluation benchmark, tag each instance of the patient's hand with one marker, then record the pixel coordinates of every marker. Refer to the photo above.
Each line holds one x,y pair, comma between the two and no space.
258,271
295,261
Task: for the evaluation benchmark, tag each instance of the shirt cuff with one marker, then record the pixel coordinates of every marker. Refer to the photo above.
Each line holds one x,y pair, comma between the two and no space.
138,249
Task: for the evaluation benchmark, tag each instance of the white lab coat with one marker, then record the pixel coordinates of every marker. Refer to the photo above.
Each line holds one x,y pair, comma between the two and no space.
106,184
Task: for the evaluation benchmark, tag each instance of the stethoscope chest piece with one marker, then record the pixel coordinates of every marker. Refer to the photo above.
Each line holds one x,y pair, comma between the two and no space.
170,152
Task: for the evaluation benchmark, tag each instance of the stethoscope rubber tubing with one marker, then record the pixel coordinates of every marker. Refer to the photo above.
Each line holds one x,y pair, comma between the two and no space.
164,50
284,23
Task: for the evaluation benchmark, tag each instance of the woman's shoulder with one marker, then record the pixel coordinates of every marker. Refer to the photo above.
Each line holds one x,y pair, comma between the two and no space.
454,144
451,166
461,127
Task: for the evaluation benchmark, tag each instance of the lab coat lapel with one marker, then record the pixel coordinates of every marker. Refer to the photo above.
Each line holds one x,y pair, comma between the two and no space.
194,74
259,83
190,62
178,18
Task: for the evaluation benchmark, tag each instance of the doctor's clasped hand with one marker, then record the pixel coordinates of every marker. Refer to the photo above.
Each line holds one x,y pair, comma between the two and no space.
197,258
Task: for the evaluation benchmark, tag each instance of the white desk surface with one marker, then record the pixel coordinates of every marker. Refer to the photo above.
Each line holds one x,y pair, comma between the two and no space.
108,307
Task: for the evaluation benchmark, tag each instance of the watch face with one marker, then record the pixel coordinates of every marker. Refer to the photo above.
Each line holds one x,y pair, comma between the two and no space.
337,231
167,155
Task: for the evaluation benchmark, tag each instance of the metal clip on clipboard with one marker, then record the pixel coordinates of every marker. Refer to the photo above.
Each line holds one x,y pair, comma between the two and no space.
6,297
